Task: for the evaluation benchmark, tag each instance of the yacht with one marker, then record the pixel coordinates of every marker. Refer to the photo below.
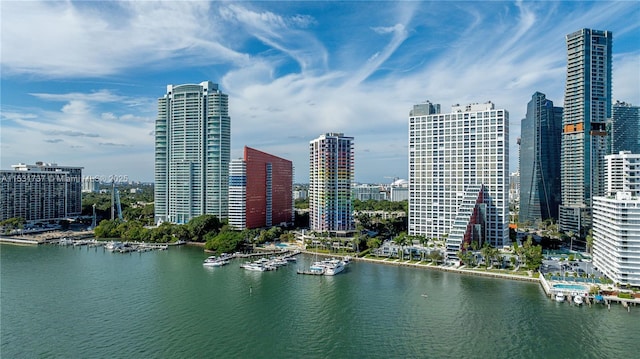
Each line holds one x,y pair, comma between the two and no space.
214,261
578,300
333,267
559,297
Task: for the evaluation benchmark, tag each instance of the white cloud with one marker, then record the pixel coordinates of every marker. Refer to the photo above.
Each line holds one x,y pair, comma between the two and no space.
357,71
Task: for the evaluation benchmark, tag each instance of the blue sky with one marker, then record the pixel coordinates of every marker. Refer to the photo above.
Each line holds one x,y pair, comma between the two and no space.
80,80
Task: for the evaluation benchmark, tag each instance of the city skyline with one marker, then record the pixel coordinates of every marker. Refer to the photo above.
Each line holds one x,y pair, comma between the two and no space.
80,80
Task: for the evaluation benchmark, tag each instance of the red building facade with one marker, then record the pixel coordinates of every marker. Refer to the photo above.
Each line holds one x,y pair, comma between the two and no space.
269,189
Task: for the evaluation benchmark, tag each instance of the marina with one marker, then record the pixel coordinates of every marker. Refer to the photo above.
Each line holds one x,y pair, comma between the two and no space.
162,294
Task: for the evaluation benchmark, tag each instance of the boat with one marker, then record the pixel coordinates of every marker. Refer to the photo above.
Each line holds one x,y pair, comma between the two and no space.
329,267
217,263
559,297
578,300
113,246
333,266
213,261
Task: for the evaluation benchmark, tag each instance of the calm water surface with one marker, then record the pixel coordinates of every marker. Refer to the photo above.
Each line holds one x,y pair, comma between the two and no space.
64,302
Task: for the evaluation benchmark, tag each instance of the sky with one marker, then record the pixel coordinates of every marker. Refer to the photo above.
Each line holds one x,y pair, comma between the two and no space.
80,80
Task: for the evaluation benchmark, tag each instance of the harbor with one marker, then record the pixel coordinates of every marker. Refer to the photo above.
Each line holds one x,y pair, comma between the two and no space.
161,293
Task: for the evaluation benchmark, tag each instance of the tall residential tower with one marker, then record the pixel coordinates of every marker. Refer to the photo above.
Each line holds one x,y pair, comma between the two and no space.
260,190
540,161
587,107
459,175
193,141
625,128
331,174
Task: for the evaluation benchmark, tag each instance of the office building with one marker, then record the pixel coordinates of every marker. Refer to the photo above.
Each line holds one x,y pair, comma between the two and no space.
40,192
192,153
260,191
625,128
587,107
616,221
459,175
540,185
331,174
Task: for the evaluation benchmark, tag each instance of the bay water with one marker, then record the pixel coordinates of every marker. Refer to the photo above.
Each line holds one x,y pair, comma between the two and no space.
66,302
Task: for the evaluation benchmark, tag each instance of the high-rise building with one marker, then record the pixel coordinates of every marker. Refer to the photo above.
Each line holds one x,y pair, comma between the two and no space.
331,174
40,192
540,188
616,221
625,128
587,107
260,191
193,142
459,175
90,184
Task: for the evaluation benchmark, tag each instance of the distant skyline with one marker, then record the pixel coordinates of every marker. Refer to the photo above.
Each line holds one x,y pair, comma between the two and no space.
80,80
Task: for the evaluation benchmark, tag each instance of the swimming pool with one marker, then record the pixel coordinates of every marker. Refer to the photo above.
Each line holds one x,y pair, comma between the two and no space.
572,287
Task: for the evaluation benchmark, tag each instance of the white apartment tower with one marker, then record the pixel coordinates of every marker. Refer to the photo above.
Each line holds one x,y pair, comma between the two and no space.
459,174
193,142
40,192
616,221
331,174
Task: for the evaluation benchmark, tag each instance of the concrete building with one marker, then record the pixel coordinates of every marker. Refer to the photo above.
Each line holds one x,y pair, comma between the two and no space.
616,221
587,107
332,170
365,192
625,128
192,153
459,174
90,184
399,191
514,187
260,191
540,185
40,192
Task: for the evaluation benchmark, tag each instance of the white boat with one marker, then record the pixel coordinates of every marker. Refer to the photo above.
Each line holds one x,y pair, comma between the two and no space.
578,300
214,261
559,297
113,246
333,267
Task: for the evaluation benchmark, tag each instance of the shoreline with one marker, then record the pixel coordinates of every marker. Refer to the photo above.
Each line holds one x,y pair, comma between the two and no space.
407,263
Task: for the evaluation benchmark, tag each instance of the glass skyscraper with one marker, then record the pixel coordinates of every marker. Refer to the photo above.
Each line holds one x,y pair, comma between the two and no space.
193,142
625,129
587,107
331,174
540,161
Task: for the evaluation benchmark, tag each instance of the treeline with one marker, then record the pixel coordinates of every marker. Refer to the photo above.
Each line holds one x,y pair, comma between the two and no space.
135,206
384,205
216,235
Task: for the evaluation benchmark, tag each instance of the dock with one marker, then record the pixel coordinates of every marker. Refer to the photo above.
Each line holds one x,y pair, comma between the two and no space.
308,272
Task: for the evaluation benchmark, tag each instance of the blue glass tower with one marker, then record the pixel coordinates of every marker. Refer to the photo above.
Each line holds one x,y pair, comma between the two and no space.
540,161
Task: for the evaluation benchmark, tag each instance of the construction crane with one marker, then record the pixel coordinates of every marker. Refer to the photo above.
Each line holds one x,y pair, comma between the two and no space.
115,201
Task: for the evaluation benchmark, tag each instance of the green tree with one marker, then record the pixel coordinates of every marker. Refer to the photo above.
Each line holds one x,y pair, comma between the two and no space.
13,223
486,254
401,240
202,225
374,242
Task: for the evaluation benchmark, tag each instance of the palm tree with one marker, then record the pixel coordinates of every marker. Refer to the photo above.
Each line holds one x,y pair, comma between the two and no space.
401,240
486,253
